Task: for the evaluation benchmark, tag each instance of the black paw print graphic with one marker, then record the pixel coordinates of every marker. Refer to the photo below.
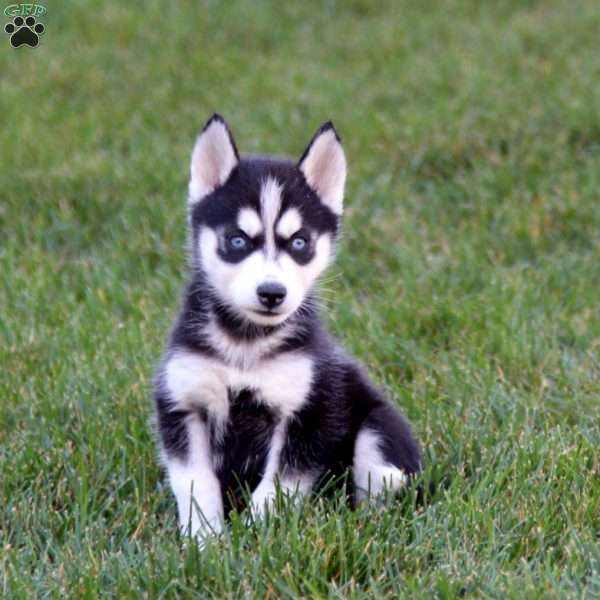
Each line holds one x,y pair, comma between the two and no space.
24,31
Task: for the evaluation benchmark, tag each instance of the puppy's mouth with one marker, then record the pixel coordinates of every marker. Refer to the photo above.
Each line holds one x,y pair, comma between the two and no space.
266,317
266,313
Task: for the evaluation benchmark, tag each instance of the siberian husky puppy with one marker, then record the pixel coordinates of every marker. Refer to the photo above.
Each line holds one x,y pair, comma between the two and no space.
252,392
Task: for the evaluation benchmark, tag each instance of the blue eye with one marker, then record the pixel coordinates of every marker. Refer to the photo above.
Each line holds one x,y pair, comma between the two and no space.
237,242
299,243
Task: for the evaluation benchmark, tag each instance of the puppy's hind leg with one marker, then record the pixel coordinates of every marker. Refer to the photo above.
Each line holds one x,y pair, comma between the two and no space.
385,453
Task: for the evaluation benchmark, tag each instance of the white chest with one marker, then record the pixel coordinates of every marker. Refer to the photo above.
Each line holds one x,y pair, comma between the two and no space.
195,381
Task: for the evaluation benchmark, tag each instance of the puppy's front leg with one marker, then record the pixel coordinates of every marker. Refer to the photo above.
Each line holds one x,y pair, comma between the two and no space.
290,483
188,389
195,484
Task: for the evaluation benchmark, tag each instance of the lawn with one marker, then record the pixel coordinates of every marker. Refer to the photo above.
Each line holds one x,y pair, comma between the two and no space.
468,282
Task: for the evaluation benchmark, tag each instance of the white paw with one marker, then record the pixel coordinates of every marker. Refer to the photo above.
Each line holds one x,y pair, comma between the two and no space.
378,480
201,530
263,499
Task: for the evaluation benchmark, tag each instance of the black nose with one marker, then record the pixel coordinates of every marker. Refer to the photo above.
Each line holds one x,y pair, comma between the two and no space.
271,294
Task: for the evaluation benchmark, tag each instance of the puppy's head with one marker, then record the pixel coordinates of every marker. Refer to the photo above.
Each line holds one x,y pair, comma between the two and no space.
263,229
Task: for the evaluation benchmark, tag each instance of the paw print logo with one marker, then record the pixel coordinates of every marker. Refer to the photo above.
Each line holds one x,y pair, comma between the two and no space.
24,31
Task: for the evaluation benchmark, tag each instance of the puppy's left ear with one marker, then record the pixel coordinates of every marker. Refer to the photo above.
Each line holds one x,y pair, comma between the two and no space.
214,157
323,165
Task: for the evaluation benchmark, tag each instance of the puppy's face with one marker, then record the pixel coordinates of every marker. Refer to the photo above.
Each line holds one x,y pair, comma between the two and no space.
264,229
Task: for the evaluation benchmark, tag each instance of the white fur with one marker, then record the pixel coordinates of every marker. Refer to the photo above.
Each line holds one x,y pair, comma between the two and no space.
270,202
192,383
282,382
195,484
325,168
237,283
289,223
249,222
265,493
300,484
213,159
243,354
372,474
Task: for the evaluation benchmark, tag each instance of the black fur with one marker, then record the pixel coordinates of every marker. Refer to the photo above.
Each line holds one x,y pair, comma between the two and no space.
243,189
244,446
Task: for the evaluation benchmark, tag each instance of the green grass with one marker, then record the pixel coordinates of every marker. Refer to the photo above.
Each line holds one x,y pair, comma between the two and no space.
468,282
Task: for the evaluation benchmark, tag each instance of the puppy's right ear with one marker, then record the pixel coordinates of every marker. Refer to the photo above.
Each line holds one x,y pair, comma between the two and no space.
214,157
323,165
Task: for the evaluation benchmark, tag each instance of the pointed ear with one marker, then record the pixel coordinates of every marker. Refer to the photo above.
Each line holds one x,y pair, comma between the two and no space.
323,164
213,158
